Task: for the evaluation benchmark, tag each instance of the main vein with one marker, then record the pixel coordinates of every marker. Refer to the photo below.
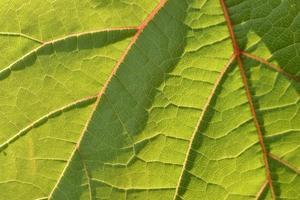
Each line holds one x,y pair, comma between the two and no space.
237,52
140,29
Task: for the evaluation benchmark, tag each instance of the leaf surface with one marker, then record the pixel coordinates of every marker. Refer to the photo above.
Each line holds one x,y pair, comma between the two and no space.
177,99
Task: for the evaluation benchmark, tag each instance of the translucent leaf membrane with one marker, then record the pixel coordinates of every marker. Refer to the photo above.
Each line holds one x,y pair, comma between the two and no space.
177,99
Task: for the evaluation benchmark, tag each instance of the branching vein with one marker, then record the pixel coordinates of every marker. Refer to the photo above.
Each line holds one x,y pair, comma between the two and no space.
21,35
44,118
212,94
103,89
237,52
272,66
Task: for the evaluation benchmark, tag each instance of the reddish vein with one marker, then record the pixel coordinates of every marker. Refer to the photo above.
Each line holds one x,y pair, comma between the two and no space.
284,163
230,27
271,65
140,28
103,89
237,52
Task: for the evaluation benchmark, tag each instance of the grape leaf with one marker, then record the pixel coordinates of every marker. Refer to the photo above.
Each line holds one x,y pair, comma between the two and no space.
140,99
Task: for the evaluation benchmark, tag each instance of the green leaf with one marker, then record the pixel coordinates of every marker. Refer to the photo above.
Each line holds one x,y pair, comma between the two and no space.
143,99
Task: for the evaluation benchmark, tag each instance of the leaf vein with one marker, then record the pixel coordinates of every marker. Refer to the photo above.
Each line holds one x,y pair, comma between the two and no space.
210,98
